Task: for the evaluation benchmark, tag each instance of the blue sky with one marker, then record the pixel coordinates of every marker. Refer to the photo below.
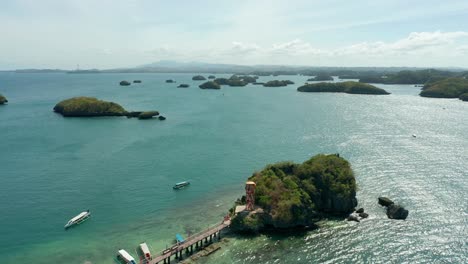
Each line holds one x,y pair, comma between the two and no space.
118,33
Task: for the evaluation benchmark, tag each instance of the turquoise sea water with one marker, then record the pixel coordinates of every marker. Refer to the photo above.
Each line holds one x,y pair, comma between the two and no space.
123,170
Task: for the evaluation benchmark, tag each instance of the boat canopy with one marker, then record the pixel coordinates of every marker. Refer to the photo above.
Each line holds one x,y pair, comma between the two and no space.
81,215
126,257
144,248
179,238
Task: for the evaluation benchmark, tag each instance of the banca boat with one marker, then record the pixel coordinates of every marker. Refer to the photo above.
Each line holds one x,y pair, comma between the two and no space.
78,219
122,254
181,185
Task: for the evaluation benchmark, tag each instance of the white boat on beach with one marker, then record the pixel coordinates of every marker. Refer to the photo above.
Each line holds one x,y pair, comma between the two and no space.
123,255
78,219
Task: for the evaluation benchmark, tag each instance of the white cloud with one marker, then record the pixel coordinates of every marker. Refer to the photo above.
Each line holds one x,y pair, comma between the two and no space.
295,47
416,42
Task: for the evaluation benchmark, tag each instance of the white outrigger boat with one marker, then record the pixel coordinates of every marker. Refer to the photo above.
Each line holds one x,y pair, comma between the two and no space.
78,219
145,250
122,254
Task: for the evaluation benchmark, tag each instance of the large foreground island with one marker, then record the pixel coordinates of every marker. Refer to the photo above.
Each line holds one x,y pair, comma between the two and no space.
447,88
290,195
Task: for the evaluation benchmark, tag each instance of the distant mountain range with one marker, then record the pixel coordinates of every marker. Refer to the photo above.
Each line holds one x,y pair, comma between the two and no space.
169,66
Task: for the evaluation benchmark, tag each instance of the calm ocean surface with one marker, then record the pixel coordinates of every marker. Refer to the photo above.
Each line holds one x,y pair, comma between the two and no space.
123,169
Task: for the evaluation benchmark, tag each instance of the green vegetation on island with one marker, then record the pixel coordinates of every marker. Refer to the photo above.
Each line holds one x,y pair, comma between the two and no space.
278,83
198,78
92,107
447,88
408,77
210,85
349,87
321,78
88,106
236,80
290,195
3,99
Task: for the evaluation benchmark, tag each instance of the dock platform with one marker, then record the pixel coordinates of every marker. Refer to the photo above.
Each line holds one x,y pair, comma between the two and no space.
198,240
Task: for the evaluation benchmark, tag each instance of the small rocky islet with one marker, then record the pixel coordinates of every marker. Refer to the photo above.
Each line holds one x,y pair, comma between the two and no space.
349,87
3,100
198,78
124,83
93,107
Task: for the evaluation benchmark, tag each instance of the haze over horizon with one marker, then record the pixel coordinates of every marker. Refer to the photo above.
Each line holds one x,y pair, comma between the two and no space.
113,34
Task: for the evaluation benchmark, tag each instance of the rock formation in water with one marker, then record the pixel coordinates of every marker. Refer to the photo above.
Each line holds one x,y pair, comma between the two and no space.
321,78
394,211
183,86
125,83
198,78
210,85
384,201
211,77
3,99
170,81
349,87
137,81
397,212
290,195
148,114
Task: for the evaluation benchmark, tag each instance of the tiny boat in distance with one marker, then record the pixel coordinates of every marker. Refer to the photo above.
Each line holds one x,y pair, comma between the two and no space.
181,185
78,219
122,254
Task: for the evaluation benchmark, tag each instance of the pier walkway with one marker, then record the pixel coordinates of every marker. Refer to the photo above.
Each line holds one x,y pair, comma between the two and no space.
191,241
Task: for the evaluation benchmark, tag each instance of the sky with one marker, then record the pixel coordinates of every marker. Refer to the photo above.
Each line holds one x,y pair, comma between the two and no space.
107,34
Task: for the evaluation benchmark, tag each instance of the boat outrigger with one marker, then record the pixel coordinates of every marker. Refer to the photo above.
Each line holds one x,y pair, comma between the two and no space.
123,255
181,185
78,219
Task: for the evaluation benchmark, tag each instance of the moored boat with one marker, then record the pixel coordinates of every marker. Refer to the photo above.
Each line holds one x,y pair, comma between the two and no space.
179,238
181,185
122,254
145,250
78,219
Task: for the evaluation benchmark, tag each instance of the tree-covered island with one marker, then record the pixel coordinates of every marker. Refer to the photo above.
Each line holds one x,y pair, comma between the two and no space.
447,88
349,87
290,195
92,107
